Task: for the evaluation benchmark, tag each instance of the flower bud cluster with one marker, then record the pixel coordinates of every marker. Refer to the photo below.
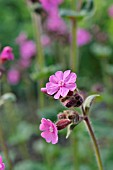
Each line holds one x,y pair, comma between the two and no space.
73,100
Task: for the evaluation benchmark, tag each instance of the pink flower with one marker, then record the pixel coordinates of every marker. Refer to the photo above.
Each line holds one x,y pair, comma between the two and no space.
6,54
110,11
83,37
13,76
27,49
50,132
61,83
21,38
2,165
55,22
49,4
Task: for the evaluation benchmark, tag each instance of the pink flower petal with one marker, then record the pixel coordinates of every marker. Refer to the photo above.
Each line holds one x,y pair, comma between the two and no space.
51,88
66,74
46,136
0,159
72,78
64,91
46,122
54,139
53,79
44,90
57,95
59,75
71,87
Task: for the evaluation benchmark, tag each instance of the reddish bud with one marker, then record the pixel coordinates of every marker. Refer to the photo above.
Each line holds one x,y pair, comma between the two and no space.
63,123
62,116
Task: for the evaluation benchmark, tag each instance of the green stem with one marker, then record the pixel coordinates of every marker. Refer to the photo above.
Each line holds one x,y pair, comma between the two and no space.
2,140
94,141
73,48
74,57
40,61
5,149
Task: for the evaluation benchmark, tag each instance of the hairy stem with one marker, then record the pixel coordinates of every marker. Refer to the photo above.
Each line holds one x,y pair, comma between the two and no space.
94,141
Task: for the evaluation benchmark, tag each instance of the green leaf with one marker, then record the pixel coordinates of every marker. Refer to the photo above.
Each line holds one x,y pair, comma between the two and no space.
23,132
72,14
88,102
100,50
69,129
29,165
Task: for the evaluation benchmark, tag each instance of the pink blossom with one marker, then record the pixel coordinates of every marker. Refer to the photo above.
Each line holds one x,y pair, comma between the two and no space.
83,37
50,132
6,54
45,40
2,165
110,11
13,76
49,4
61,83
21,38
55,22
27,49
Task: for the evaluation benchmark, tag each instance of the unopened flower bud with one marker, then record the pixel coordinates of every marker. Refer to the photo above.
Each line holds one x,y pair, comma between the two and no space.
63,123
74,100
62,116
6,54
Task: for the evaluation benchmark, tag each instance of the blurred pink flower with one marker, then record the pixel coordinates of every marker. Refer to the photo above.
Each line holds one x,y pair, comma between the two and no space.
2,165
45,40
60,84
21,38
27,49
49,4
50,132
24,63
6,54
83,37
55,22
110,11
13,76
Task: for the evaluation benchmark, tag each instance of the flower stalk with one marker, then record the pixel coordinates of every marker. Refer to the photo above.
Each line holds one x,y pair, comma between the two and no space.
5,149
36,20
94,141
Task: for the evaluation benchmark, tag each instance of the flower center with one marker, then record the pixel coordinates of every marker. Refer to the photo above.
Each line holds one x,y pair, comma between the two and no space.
61,83
50,129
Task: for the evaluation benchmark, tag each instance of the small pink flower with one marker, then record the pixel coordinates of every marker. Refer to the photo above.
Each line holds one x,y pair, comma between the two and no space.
27,49
50,132
61,83
83,37
110,11
6,54
55,22
13,76
49,4
2,165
